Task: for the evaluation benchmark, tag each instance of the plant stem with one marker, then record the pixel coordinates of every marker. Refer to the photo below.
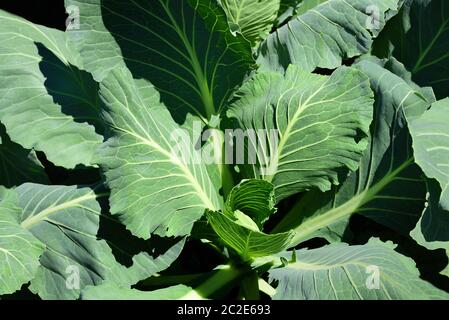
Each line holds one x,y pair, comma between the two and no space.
250,286
266,288
223,277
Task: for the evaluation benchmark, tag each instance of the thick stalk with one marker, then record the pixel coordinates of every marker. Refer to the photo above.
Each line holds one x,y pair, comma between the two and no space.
219,280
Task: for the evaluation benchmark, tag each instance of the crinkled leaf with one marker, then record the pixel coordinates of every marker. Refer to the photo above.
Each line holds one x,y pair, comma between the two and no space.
342,272
326,35
110,291
319,122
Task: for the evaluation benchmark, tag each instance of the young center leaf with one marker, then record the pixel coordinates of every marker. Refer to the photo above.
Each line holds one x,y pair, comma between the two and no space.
320,125
110,291
253,19
430,135
325,35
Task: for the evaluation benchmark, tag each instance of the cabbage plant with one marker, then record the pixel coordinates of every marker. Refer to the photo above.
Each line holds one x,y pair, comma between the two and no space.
226,149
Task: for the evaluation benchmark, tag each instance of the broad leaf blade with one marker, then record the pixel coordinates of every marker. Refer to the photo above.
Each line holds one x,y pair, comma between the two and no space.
19,249
253,19
342,272
320,124
246,242
154,188
110,291
18,165
253,197
322,38
419,38
183,44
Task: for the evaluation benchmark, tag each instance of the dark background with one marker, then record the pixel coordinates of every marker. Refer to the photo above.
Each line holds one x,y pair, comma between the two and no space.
50,13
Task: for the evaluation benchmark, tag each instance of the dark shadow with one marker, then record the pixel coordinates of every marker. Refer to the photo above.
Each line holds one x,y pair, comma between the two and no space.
123,244
73,89
60,176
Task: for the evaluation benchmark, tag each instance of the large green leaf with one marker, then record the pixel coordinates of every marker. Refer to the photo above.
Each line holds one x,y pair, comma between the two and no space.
18,165
419,38
432,230
252,18
320,122
342,272
247,207
19,249
430,135
154,188
387,187
63,223
184,47
46,101
326,35
110,291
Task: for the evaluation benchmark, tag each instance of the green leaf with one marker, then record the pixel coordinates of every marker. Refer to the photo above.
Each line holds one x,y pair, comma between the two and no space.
19,249
432,230
110,291
66,221
319,122
253,19
419,38
254,198
326,35
388,187
430,135
247,242
187,46
157,186
39,111
342,272
18,165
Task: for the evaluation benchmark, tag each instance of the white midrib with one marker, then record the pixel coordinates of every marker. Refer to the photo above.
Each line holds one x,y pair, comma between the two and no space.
37,218
193,181
348,208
